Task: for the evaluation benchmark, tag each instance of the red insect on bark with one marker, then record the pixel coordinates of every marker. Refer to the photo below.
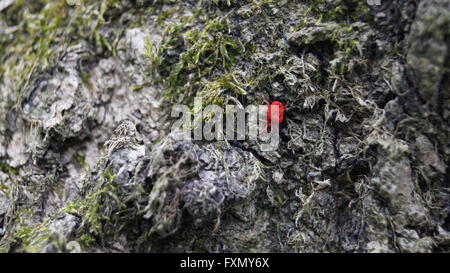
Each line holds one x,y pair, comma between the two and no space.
276,110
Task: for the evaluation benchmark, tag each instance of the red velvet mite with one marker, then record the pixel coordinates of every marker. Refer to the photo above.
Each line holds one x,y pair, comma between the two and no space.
278,113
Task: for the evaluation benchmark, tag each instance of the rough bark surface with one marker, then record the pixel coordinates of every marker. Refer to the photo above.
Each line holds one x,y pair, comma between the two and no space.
88,162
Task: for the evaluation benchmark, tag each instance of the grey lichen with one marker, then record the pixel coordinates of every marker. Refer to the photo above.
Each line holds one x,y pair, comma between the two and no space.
88,162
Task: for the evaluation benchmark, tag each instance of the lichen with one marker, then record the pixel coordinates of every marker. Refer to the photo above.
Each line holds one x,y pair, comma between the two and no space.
88,162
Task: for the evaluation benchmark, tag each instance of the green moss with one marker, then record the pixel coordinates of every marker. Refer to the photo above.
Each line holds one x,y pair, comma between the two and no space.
75,208
108,5
4,188
81,159
151,52
98,205
34,39
109,176
32,239
165,14
212,91
339,10
41,30
86,241
276,196
85,77
137,88
6,168
203,50
95,210
348,42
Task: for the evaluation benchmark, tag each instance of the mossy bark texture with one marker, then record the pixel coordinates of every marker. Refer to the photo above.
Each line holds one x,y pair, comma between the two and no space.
89,163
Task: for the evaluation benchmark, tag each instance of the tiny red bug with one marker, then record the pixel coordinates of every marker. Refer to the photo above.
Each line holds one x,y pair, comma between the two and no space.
276,112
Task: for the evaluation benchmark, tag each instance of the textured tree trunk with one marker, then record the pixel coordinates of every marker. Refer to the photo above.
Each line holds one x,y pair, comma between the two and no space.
89,162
